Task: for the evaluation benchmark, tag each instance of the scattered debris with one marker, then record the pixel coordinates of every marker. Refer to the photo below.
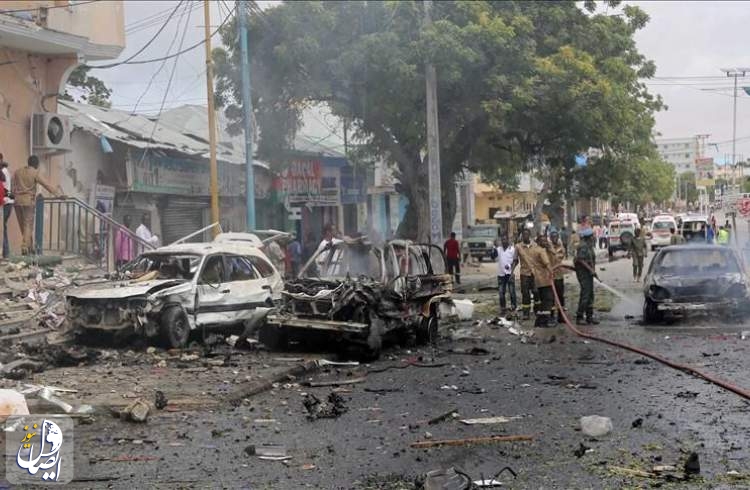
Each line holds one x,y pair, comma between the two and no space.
582,449
637,423
489,420
12,403
442,417
692,464
619,470
136,412
474,351
338,382
48,395
448,479
464,309
687,394
317,409
664,469
745,334
470,440
160,400
381,391
268,452
596,426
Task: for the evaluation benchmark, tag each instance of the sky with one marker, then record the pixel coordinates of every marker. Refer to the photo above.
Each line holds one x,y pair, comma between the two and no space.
685,39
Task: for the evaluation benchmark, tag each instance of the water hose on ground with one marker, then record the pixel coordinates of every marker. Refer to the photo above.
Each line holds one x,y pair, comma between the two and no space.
675,365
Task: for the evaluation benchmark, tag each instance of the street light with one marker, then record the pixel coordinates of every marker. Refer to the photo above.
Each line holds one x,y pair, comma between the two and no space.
734,73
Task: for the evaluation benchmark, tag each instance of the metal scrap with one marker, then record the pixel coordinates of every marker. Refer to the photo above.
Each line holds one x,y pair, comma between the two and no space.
470,440
334,407
335,382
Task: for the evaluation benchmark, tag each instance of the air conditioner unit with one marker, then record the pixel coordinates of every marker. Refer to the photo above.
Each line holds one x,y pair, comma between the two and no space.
50,133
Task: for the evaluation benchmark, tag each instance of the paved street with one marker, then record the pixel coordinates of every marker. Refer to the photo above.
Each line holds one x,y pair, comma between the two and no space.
543,385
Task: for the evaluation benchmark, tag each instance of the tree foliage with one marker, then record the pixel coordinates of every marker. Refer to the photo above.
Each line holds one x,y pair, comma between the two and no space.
92,90
522,86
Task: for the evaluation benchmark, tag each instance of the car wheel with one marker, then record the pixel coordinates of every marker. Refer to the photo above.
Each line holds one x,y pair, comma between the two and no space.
174,328
273,337
651,313
427,331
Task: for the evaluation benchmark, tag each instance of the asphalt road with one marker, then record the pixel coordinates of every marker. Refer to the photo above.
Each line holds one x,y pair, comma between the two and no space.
544,385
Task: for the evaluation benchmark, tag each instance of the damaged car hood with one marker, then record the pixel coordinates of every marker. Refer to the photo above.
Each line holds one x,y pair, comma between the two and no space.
124,289
694,281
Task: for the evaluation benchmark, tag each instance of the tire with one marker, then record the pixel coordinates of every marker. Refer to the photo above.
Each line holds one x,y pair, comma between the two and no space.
651,313
174,328
275,338
427,331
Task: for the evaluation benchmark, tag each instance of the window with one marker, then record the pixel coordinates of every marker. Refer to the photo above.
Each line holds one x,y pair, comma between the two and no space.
687,155
213,271
240,269
264,268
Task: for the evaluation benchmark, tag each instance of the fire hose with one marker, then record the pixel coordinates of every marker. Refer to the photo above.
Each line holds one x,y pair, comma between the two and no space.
675,365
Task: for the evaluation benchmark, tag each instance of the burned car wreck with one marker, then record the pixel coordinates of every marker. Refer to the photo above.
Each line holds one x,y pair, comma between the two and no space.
355,294
694,278
166,293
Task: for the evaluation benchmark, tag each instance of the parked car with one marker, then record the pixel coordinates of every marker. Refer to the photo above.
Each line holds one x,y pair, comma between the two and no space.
661,235
172,290
481,240
621,234
693,228
355,293
684,278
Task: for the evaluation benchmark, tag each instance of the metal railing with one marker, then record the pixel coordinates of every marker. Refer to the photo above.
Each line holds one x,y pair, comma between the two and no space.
68,225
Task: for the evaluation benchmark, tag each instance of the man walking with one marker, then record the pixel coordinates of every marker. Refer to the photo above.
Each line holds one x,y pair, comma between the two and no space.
723,236
506,265
585,264
7,204
557,255
543,277
25,182
638,251
675,239
523,256
452,250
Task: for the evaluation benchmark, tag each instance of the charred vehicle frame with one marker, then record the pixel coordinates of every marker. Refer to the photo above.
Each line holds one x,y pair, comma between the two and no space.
356,293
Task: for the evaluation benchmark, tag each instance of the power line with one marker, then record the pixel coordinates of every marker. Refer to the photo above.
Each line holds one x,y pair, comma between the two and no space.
154,60
145,46
48,8
149,22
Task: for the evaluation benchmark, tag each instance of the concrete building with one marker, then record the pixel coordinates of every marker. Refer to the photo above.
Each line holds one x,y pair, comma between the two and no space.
489,199
41,43
681,153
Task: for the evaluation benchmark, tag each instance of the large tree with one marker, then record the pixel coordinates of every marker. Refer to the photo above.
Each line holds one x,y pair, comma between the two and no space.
522,86
87,88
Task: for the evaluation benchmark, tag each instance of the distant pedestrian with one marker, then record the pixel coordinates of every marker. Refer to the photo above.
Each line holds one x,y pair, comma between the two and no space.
710,234
277,256
638,251
294,255
585,264
465,253
25,182
565,238
452,250
144,231
124,244
7,203
675,239
723,236
557,255
506,266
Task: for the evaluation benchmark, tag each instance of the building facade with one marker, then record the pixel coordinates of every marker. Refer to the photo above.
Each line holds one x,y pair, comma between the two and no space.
41,43
681,153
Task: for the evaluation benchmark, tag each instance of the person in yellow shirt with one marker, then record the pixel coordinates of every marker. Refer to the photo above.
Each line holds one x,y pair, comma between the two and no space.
557,254
25,182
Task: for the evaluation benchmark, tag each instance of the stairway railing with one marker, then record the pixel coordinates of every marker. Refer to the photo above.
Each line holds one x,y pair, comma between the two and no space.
67,225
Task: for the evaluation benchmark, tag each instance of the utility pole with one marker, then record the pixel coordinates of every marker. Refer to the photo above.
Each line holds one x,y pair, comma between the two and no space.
734,73
214,171
247,109
433,145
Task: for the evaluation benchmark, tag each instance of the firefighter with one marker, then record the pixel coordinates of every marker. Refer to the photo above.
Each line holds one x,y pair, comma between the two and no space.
585,264
539,257
557,255
523,252
638,251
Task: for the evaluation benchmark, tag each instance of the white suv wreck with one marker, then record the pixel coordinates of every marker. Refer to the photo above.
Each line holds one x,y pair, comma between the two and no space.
178,288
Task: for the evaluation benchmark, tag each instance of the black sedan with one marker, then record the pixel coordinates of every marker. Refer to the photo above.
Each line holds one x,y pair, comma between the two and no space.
703,278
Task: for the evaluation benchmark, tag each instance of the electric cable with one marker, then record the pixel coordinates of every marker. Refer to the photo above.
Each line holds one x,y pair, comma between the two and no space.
145,46
2,11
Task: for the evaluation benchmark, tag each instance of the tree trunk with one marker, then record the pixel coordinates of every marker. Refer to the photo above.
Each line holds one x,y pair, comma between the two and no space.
413,185
448,189
538,208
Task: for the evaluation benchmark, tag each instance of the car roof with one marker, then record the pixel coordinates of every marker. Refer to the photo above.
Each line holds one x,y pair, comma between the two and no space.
679,248
236,248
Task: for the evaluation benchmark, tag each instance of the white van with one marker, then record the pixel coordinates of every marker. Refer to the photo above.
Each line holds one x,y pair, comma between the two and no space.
661,235
629,217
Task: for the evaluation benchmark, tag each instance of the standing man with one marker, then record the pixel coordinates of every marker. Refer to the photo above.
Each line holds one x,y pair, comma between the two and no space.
639,251
523,256
124,246
144,231
585,264
506,265
25,182
675,239
452,250
294,255
723,237
276,254
7,204
541,264
557,255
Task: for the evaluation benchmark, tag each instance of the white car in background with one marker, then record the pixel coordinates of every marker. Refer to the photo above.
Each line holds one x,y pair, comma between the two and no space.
661,235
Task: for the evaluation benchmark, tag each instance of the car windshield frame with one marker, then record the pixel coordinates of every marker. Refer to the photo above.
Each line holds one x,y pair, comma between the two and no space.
179,273
662,225
322,264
